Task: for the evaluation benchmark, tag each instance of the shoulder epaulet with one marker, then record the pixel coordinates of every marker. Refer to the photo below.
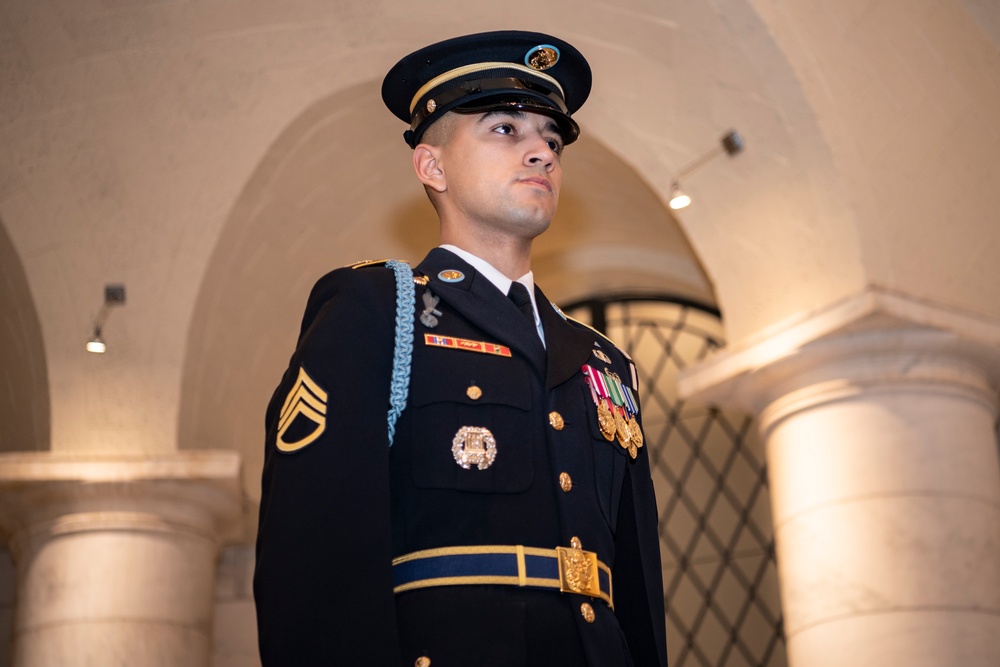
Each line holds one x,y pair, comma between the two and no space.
368,262
599,333
418,278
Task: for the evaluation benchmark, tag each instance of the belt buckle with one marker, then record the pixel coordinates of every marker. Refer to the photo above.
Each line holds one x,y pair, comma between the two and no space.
578,571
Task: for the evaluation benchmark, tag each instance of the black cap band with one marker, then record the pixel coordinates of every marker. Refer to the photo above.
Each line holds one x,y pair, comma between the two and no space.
495,70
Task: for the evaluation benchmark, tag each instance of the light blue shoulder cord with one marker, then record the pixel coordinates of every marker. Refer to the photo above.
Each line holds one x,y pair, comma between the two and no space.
402,356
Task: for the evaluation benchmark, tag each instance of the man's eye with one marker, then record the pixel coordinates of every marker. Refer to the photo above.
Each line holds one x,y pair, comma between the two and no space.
505,128
555,146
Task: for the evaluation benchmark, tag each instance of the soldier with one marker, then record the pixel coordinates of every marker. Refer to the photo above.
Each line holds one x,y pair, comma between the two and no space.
507,517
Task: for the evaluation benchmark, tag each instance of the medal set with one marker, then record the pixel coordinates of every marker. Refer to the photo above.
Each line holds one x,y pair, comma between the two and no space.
616,409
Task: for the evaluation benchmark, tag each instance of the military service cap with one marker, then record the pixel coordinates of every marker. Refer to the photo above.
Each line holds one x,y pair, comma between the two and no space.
508,69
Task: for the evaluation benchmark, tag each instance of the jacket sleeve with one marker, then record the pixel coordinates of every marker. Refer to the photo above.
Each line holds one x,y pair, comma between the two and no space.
638,573
323,580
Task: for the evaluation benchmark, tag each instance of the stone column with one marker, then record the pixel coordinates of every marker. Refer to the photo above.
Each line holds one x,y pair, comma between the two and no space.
116,558
879,417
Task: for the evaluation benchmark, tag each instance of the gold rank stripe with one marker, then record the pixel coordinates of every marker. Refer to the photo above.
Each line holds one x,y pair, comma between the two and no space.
305,398
467,345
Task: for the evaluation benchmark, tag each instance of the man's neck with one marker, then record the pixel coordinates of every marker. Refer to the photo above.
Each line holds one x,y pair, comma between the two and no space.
510,256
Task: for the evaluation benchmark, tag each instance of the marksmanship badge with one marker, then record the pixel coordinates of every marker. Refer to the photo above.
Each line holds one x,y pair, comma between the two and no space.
430,310
474,445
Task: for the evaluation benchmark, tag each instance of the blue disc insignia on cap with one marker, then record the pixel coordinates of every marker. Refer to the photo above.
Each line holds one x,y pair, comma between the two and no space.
542,57
451,276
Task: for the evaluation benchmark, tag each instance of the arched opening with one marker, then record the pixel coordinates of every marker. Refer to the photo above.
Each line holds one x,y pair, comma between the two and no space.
24,384
336,187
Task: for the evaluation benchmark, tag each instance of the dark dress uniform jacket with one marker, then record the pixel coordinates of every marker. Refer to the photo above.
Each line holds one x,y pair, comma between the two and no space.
336,511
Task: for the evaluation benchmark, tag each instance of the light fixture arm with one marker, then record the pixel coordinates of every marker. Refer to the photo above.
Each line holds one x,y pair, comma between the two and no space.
114,295
731,143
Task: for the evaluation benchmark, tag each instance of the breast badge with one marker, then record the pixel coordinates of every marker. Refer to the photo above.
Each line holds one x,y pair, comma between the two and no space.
427,318
305,408
474,446
616,409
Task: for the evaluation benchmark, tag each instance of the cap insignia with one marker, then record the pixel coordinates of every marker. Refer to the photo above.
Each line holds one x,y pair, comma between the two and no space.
542,57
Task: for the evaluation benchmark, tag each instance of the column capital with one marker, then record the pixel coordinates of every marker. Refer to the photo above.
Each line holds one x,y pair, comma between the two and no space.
875,338
43,494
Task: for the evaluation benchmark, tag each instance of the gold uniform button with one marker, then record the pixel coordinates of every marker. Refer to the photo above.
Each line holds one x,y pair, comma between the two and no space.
422,661
474,392
565,482
586,611
556,420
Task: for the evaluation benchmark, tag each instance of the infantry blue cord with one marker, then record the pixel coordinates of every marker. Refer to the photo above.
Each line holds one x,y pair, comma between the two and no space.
402,356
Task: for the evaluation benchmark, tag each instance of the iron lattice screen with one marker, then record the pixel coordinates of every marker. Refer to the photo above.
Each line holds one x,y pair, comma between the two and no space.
719,571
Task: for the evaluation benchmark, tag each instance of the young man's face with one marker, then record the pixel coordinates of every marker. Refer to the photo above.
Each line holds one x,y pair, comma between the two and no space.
503,170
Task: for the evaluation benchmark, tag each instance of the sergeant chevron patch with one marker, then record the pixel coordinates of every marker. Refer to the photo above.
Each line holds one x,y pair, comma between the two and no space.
305,409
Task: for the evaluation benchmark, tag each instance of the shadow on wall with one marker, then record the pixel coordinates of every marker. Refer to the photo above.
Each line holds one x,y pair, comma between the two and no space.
24,387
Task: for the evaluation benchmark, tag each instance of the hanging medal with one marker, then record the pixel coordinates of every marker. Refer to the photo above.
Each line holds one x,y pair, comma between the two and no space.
633,424
599,392
618,401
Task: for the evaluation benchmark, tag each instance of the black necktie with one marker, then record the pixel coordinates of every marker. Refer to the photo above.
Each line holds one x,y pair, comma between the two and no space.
519,295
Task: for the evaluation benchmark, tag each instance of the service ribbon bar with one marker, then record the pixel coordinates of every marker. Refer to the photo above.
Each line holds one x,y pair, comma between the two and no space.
630,404
465,344
614,389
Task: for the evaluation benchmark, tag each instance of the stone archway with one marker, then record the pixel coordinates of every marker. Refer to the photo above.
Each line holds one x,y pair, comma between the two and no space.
24,384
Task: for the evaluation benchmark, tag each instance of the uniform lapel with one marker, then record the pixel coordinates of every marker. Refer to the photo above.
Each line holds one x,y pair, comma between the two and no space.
567,347
479,301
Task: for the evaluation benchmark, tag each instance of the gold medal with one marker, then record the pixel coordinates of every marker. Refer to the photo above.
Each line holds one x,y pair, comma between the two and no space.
606,421
633,451
635,431
621,426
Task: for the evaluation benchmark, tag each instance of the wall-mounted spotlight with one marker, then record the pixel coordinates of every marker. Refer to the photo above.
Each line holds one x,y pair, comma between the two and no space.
730,144
114,295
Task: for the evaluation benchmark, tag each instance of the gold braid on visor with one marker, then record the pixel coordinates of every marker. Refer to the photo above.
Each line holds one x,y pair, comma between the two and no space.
481,67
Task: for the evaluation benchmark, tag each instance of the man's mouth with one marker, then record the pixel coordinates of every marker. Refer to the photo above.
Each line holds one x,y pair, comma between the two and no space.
538,180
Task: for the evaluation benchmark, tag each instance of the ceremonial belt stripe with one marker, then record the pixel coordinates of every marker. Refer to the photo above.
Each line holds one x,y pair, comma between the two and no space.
505,565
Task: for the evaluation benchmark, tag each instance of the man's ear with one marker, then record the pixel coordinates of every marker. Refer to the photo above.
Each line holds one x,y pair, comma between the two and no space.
428,167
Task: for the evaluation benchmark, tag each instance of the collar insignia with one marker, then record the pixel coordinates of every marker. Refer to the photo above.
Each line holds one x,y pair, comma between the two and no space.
451,276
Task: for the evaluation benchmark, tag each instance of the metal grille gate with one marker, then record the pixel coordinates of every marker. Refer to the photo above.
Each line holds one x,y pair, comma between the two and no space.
719,575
